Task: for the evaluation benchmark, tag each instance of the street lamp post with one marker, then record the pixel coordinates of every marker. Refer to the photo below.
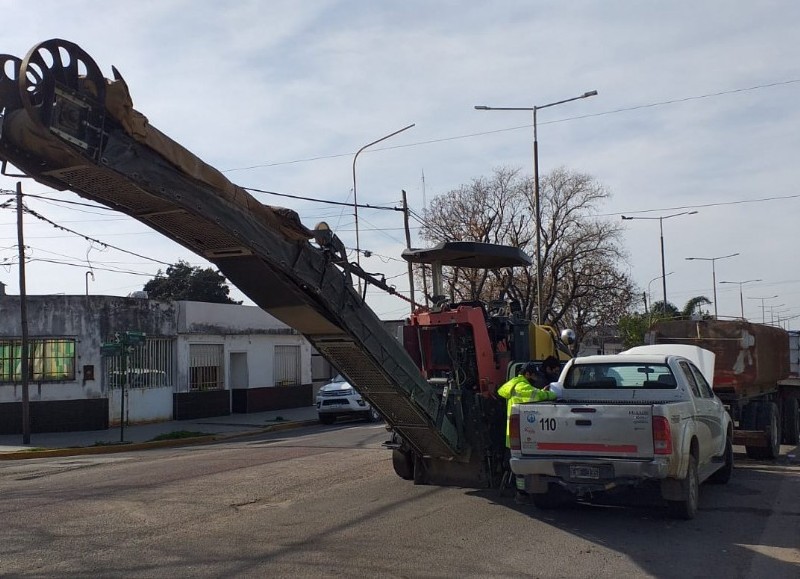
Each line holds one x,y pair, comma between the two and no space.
773,311
88,274
740,284
763,309
536,198
355,193
649,293
661,227
713,273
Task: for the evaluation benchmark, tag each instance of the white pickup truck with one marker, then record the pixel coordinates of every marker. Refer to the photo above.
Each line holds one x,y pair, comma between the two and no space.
646,415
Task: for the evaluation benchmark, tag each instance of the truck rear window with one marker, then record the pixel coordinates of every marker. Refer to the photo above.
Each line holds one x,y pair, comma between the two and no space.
600,376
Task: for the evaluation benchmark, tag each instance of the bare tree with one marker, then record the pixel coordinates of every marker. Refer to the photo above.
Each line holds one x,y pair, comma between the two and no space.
583,283
484,210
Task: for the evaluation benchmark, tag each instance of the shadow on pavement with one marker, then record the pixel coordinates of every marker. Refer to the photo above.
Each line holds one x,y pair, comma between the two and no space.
747,528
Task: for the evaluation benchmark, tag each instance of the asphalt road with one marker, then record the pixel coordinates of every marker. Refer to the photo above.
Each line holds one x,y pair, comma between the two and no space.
324,502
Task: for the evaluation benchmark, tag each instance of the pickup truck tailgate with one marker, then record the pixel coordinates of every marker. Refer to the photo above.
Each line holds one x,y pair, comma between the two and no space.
596,430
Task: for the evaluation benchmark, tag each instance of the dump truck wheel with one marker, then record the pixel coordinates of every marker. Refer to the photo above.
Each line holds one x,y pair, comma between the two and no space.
791,421
768,421
748,418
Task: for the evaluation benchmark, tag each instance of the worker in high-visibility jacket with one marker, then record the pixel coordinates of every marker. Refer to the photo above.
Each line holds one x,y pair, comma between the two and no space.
520,389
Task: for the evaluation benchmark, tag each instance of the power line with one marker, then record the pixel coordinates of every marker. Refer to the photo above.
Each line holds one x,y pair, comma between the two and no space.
87,238
321,200
552,122
93,267
700,206
72,257
66,202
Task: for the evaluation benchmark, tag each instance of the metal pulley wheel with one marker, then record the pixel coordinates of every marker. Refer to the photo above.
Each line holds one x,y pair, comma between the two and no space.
9,82
63,90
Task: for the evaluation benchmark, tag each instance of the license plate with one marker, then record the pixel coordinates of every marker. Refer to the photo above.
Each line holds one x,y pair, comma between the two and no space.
589,472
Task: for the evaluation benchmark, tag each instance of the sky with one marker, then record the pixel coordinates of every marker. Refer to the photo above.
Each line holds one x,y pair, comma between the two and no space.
696,111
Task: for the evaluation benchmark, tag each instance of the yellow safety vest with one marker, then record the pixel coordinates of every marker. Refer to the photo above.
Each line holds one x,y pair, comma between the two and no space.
519,391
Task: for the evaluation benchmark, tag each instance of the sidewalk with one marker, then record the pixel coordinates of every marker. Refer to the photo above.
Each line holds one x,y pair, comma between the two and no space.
138,437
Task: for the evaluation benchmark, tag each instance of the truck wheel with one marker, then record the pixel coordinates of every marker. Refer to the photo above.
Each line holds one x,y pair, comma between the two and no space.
372,415
403,464
767,421
686,508
791,421
749,418
723,475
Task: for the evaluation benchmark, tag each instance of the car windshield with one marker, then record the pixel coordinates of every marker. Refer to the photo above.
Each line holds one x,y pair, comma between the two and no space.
339,378
620,375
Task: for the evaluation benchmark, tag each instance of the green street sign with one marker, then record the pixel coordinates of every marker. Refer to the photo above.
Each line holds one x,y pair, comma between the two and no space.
135,338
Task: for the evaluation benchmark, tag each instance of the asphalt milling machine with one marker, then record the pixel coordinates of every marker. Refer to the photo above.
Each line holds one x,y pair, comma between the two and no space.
68,127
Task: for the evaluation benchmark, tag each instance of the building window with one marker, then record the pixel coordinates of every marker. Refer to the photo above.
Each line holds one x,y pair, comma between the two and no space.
150,365
287,365
206,370
49,360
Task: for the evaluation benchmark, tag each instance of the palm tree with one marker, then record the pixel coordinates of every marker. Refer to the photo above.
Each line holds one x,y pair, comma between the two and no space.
692,305
671,312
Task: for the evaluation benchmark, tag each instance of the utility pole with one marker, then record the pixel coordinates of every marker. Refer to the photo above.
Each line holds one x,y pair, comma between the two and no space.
408,245
23,315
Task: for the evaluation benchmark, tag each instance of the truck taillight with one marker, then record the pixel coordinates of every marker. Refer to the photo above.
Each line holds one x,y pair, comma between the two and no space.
662,435
513,431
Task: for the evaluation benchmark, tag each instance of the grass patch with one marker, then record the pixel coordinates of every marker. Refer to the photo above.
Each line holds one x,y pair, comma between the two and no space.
178,434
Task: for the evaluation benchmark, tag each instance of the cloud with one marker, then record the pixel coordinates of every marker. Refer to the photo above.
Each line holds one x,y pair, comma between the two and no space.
250,83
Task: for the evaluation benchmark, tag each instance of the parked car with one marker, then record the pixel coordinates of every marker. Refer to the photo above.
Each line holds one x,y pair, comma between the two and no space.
338,398
139,378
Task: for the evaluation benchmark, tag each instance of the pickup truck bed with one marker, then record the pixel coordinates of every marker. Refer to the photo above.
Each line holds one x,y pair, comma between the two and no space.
647,418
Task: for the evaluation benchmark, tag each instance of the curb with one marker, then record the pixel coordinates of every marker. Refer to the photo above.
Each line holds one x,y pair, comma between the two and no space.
152,444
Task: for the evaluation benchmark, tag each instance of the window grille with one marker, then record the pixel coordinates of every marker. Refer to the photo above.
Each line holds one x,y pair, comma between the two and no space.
206,369
286,365
151,365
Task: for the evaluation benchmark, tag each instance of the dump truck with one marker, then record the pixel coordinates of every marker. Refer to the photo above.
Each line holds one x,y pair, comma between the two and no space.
69,127
755,375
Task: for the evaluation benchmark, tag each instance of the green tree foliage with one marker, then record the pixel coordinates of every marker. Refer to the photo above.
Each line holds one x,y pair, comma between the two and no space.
585,283
633,326
184,282
666,312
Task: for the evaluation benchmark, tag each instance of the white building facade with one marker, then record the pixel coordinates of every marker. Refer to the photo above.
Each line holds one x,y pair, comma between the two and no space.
197,360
